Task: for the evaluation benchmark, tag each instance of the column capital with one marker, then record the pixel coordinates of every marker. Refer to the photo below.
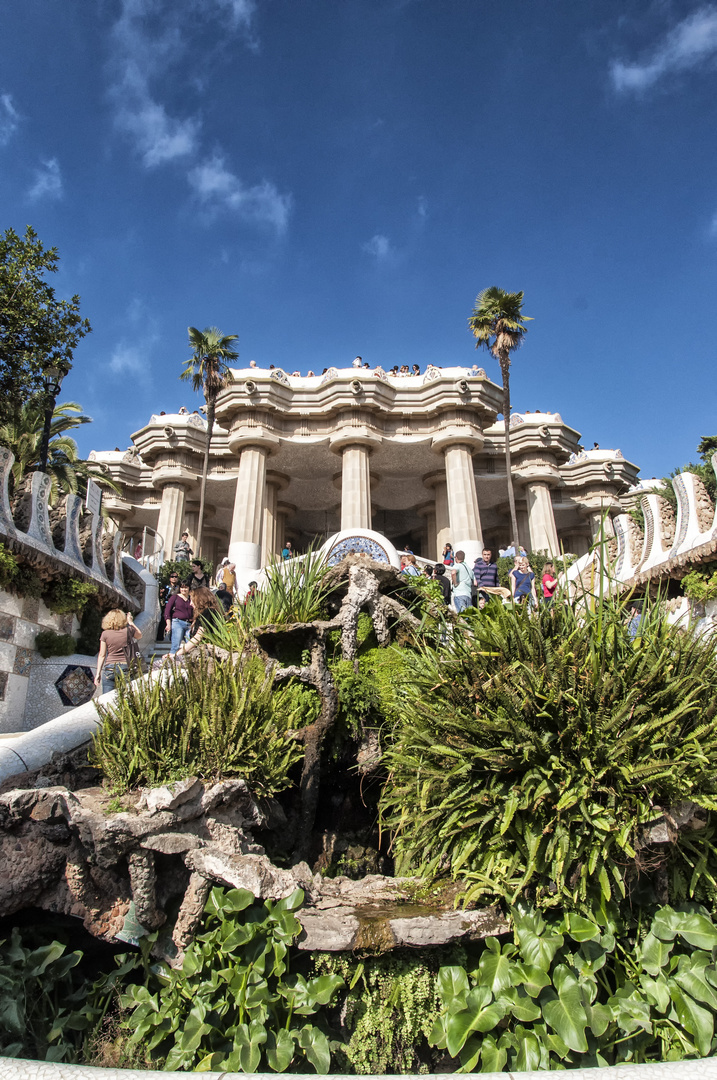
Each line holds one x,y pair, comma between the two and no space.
178,475
353,436
536,474
432,480
243,437
278,480
458,435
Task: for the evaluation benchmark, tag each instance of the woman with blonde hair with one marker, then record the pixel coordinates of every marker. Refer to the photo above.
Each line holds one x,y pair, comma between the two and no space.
522,582
208,612
116,647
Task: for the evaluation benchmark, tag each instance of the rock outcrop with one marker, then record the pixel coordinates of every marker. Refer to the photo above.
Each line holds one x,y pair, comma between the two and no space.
120,868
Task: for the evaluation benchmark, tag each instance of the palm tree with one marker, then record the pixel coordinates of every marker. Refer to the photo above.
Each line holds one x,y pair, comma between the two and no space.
207,369
499,324
23,436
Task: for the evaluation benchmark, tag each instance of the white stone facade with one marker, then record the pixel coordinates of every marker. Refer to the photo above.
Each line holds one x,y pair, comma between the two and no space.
418,459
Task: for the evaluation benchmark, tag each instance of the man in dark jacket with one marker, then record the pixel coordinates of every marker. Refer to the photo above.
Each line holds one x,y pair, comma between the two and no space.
485,574
439,575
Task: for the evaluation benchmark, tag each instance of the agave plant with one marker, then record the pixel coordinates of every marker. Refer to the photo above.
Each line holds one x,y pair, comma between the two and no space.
534,750
293,591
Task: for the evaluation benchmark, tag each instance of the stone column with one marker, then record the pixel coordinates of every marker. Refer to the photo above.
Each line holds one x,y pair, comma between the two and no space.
600,519
171,516
248,515
466,532
268,532
355,488
541,520
442,519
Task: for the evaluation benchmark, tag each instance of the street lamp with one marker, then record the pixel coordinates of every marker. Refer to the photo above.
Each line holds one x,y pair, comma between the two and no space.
52,383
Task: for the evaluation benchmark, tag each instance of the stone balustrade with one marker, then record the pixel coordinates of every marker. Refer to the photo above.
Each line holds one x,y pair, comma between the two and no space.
669,545
36,544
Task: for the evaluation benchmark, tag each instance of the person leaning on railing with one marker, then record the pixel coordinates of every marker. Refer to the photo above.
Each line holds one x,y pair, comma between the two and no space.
208,612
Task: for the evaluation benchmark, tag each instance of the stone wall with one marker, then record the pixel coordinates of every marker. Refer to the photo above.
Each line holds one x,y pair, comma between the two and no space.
33,689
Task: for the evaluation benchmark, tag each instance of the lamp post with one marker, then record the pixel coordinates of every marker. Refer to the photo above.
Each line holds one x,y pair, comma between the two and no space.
52,383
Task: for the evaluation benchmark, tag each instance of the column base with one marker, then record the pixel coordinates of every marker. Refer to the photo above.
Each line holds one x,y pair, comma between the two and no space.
247,559
472,548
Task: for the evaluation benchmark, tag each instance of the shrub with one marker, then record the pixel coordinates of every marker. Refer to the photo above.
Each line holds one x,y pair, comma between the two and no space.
67,596
533,751
233,1005
227,722
41,1000
184,569
48,643
8,567
26,582
700,585
88,641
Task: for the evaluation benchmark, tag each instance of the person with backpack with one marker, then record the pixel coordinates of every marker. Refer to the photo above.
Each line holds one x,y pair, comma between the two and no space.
462,582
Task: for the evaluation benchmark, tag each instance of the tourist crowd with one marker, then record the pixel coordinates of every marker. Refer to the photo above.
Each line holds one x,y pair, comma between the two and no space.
465,586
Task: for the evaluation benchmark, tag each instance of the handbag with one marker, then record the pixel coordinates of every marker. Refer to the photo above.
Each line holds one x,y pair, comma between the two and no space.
132,653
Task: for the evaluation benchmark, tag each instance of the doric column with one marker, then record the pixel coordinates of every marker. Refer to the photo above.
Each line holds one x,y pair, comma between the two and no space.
439,525
268,532
171,516
247,519
355,443
271,543
541,520
355,488
458,442
253,443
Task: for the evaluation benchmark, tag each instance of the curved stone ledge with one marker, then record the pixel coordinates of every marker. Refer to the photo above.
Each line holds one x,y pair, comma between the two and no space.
15,1069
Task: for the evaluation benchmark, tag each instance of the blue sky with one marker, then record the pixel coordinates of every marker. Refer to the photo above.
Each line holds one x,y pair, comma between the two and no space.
332,177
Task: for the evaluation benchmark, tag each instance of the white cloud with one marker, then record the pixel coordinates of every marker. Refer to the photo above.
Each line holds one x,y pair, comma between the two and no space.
690,44
379,246
142,53
48,181
127,360
219,189
241,12
9,119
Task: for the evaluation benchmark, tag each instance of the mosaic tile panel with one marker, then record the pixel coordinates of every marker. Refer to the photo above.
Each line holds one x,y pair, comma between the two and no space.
23,661
357,545
3,684
75,685
7,627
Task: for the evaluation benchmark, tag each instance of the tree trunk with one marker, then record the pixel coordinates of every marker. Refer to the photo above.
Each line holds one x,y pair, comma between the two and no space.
505,372
205,473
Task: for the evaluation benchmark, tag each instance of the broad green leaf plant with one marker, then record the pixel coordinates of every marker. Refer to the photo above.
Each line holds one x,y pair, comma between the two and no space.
233,1005
575,992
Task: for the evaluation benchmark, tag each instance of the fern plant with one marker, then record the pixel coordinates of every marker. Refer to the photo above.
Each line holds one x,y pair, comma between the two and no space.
534,750
229,722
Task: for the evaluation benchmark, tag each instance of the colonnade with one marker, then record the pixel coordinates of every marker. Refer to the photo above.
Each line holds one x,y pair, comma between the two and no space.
258,518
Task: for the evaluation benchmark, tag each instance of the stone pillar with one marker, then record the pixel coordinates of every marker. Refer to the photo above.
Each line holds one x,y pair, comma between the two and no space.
442,519
466,532
268,532
600,519
171,516
248,515
355,488
541,520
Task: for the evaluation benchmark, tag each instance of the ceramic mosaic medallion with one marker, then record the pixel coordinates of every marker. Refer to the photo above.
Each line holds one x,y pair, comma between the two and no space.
357,545
76,685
